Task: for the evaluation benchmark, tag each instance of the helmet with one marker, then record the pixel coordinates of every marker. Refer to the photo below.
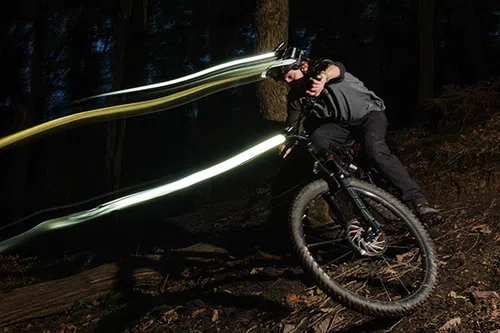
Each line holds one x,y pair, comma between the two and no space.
288,58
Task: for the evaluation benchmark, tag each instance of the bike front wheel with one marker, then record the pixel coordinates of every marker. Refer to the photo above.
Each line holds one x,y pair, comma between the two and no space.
387,275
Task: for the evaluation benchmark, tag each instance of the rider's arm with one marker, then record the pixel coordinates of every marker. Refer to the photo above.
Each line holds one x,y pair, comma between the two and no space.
292,119
294,109
333,71
330,71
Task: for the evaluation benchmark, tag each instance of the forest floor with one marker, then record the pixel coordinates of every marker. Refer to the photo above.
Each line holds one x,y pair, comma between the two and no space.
230,273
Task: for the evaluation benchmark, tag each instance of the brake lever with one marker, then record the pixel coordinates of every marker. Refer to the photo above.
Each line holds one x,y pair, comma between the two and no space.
279,47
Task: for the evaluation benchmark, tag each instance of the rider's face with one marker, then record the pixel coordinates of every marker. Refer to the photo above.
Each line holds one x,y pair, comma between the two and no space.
293,75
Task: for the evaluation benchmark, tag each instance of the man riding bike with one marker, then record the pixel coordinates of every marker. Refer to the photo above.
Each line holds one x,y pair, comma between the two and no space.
345,108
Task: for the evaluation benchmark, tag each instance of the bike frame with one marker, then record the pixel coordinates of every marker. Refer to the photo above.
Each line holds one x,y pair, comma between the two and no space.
332,168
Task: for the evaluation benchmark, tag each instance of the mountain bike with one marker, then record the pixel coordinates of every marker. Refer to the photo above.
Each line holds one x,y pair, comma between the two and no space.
362,246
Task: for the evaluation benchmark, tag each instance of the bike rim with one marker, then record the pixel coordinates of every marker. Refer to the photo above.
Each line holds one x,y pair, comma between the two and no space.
400,273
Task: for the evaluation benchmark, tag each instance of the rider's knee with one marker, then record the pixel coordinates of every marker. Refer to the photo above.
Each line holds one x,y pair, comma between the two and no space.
319,140
377,149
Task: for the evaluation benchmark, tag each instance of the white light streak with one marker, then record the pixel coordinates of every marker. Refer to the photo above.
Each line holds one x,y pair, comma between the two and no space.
146,195
189,77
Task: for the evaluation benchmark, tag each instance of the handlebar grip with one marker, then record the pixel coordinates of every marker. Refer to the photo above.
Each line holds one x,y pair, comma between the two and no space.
317,77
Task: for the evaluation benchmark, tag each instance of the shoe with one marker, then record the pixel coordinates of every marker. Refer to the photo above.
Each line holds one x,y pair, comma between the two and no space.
430,217
426,212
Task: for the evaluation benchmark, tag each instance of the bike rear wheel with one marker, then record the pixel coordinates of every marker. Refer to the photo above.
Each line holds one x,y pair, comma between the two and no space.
387,276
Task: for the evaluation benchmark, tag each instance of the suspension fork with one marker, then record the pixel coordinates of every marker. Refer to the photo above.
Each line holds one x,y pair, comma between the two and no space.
336,208
359,204
342,181
335,184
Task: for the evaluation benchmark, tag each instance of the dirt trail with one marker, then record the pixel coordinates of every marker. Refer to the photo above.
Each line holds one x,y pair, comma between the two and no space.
237,274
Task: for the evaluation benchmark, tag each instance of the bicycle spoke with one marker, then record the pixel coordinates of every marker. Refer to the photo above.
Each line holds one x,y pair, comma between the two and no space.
404,286
382,268
342,256
383,285
325,243
402,263
318,222
401,247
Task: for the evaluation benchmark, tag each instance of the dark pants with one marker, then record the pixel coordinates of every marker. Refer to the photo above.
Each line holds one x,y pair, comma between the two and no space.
371,129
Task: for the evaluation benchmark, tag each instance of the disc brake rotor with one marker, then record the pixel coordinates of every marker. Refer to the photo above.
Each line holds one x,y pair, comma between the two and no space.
366,244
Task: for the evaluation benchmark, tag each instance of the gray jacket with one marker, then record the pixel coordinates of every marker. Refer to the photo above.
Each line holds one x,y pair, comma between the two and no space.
344,98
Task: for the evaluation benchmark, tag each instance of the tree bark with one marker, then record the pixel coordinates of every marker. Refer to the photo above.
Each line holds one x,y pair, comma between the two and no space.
271,24
116,128
426,27
59,295
472,41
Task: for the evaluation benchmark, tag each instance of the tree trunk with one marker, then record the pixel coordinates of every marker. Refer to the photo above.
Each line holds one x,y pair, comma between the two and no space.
472,42
426,27
34,157
271,24
59,295
131,22
116,128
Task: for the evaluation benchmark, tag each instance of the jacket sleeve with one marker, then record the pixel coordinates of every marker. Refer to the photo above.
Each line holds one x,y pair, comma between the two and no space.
294,109
342,71
323,64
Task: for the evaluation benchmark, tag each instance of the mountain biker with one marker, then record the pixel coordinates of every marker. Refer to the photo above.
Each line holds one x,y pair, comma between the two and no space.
345,108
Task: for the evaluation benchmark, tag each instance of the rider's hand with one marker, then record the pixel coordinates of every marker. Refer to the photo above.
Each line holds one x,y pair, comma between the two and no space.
287,151
316,86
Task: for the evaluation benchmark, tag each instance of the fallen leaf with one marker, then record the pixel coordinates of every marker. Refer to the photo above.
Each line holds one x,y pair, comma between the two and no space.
389,271
450,324
323,326
293,298
197,312
319,291
402,257
255,270
69,326
478,295
288,328
495,314
482,229
170,316
215,315
327,310
442,263
142,326
453,294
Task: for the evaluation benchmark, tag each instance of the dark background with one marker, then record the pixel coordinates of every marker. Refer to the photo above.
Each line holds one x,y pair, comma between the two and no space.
55,52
